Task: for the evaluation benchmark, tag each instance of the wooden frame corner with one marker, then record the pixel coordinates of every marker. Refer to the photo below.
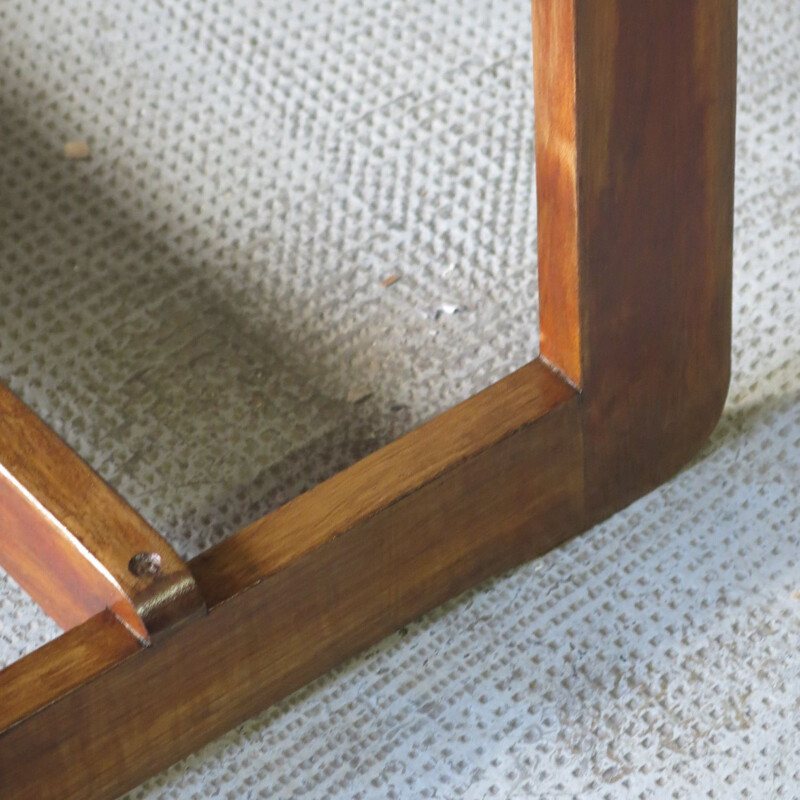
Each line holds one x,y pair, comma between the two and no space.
634,150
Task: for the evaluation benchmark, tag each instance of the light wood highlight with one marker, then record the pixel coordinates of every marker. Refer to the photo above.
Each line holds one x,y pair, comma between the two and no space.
557,186
67,538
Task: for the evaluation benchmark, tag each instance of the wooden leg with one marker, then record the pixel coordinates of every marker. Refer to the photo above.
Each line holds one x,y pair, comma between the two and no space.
634,147
635,152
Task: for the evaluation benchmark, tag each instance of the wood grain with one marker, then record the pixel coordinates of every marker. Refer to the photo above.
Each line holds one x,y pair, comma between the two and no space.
635,169
380,480
61,666
656,87
66,537
557,186
635,164
503,493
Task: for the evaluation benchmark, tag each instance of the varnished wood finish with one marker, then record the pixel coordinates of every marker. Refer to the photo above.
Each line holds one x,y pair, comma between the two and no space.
67,538
656,90
653,86
635,168
391,475
61,666
557,185
279,622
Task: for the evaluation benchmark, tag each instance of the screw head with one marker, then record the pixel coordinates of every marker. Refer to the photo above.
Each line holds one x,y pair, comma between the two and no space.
145,565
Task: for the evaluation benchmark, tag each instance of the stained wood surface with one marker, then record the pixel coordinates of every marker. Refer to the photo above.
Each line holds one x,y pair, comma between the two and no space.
67,538
61,666
380,480
656,234
652,87
557,186
636,121
501,494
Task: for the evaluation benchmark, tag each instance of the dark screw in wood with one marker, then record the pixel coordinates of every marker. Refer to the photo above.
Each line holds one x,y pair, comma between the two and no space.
145,565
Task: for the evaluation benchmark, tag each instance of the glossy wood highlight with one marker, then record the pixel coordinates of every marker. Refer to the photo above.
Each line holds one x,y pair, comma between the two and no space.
67,538
557,186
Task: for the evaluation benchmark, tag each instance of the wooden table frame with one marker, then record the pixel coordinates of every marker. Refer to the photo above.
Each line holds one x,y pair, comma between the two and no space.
634,154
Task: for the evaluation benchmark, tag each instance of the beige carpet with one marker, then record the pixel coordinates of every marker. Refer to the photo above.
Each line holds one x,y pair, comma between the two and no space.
198,309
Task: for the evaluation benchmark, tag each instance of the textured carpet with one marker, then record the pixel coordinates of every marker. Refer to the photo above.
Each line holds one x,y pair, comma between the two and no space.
198,309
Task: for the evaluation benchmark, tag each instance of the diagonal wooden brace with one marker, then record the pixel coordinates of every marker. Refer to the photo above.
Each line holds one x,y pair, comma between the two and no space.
73,544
